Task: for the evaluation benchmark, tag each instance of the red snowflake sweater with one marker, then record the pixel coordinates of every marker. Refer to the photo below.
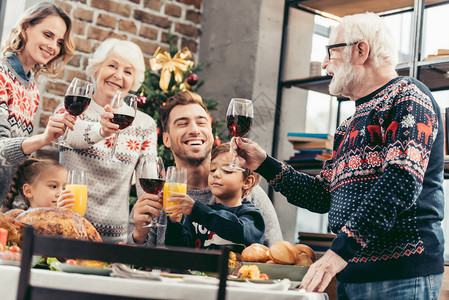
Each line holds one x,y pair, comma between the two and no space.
383,186
19,100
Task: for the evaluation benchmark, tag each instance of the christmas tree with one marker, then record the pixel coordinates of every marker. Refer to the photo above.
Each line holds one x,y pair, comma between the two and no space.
172,71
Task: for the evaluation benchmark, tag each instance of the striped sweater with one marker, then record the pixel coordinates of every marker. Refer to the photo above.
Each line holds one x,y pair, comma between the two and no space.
382,187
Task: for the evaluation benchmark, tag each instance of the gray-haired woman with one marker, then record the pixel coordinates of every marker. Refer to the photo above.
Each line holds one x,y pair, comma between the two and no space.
115,66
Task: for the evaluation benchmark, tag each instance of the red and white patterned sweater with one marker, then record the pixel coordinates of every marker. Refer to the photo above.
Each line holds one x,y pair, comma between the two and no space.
19,101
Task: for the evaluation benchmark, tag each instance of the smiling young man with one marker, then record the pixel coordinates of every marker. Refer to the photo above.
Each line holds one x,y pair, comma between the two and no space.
188,133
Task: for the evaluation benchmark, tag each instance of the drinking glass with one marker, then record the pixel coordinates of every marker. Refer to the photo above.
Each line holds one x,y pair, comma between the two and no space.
76,100
151,174
77,185
125,107
239,119
175,182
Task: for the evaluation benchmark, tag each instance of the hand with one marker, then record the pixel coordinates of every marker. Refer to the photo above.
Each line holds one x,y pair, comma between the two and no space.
147,206
56,126
322,271
249,154
63,200
107,127
184,207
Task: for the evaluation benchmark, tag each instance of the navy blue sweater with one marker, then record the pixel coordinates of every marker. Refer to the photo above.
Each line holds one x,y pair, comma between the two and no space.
382,187
216,225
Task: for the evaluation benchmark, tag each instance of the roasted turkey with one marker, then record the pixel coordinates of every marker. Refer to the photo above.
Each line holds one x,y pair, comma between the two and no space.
50,221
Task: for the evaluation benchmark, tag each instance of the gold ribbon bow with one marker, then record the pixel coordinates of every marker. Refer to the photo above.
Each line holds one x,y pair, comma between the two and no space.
178,64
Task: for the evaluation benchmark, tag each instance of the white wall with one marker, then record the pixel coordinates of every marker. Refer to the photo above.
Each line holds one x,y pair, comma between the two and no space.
293,113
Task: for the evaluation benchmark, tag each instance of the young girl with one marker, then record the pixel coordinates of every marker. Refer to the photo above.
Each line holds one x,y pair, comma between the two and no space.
41,43
41,183
229,221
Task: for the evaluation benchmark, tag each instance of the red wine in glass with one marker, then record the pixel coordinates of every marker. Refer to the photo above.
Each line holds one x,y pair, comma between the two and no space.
151,185
76,105
239,119
76,100
151,174
239,125
122,120
125,107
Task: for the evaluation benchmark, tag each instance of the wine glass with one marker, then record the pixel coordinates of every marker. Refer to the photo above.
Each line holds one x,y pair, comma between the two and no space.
76,100
125,107
151,174
239,119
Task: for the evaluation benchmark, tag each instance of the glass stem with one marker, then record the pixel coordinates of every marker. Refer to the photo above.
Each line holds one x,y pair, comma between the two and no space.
64,136
115,144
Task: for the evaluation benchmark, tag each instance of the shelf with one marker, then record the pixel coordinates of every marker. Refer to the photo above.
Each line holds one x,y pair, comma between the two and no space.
316,240
433,73
341,8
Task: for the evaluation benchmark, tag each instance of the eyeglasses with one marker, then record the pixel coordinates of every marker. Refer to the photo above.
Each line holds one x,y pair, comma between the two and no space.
329,47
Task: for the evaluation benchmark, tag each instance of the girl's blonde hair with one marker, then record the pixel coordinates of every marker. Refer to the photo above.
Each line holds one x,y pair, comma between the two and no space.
26,172
34,15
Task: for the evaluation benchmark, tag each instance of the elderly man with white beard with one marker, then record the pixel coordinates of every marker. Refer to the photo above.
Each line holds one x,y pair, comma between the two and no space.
382,187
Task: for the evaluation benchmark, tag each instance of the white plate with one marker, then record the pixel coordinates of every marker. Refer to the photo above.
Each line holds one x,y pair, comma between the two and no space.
9,262
81,269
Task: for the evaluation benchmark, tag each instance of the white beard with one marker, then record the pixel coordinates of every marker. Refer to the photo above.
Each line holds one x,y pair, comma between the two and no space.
345,77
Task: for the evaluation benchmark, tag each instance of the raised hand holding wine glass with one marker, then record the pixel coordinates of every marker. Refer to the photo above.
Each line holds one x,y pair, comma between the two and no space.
151,174
124,106
239,120
77,98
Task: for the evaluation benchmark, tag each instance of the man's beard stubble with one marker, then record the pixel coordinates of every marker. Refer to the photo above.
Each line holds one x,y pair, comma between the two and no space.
193,160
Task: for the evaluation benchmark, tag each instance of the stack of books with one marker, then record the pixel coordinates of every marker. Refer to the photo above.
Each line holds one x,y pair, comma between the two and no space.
441,53
313,149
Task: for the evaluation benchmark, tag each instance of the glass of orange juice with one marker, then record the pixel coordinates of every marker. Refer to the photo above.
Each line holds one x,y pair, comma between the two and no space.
77,185
175,182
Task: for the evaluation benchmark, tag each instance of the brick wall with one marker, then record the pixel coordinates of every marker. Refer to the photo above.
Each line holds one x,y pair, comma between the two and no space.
144,22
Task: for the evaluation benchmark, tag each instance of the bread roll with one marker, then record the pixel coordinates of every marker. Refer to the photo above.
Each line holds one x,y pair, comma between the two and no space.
283,252
255,253
301,248
249,272
303,260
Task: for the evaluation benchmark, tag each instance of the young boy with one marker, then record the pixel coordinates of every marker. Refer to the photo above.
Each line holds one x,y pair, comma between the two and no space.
229,221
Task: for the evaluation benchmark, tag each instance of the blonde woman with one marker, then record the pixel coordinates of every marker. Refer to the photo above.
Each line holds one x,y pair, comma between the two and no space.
39,45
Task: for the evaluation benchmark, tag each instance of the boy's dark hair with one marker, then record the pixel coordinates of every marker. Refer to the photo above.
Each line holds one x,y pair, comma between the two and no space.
26,172
181,98
224,148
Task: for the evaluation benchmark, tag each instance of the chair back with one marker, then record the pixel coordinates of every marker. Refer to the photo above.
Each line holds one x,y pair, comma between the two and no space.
155,257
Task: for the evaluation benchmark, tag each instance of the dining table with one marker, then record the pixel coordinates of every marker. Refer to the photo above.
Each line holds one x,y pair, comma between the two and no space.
166,288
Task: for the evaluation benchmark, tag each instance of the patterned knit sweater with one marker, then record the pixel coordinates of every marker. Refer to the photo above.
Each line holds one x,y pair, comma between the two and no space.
382,187
109,182
19,100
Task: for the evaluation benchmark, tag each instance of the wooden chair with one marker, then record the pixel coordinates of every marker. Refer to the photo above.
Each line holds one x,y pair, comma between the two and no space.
177,258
